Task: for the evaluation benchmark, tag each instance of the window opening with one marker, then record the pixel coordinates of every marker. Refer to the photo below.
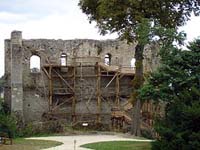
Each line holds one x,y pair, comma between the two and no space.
107,59
35,64
63,59
133,63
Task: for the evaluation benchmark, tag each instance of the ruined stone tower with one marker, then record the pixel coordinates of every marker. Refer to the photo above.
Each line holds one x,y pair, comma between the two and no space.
75,80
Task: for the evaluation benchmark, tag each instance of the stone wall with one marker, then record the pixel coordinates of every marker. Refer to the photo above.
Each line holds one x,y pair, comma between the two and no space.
27,91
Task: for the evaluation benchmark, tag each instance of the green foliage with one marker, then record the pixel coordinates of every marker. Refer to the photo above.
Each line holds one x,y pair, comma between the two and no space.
7,122
41,128
2,82
123,16
177,83
10,125
4,109
143,31
179,71
7,125
25,131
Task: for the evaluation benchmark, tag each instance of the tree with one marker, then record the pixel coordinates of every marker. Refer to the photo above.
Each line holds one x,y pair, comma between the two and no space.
177,83
128,19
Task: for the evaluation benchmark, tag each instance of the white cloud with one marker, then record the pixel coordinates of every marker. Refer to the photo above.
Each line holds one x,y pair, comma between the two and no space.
55,19
12,18
72,24
37,6
192,28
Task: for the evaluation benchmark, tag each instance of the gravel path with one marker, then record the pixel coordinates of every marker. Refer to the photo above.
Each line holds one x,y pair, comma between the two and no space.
68,141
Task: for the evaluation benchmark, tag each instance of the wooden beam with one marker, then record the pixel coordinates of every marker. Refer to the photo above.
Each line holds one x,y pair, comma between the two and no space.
46,72
64,80
106,101
57,106
117,87
98,94
74,98
121,76
85,76
111,80
50,88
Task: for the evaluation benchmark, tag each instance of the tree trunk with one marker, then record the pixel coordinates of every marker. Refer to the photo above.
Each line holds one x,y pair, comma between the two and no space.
137,83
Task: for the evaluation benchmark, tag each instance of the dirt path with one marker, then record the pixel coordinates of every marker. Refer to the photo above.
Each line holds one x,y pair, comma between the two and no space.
68,141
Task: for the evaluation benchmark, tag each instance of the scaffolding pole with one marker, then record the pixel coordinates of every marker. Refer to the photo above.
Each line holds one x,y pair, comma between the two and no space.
50,88
117,101
74,98
98,94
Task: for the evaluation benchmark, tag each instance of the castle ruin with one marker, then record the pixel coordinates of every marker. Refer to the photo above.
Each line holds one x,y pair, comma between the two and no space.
77,80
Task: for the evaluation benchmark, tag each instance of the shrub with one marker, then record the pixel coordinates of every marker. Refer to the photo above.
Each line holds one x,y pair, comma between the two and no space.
7,124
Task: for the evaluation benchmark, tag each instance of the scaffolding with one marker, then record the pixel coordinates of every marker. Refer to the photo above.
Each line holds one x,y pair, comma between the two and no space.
62,82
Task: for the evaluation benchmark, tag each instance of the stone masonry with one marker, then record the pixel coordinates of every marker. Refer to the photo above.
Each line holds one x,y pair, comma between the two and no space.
27,91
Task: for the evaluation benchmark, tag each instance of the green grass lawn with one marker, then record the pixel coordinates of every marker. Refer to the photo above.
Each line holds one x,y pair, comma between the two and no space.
28,144
119,145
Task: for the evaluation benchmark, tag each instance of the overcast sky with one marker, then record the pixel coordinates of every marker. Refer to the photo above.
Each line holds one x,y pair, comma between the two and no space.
55,19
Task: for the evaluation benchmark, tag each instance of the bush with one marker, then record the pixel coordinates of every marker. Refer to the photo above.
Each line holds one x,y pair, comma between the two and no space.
148,133
7,122
41,128
7,125
14,126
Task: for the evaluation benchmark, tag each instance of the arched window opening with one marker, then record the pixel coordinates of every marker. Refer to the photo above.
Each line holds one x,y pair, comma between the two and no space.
63,59
35,64
107,59
133,63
